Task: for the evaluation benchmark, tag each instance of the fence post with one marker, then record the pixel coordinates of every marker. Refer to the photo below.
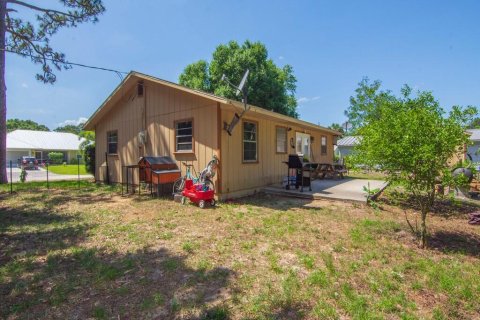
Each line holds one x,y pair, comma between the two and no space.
48,184
78,170
11,178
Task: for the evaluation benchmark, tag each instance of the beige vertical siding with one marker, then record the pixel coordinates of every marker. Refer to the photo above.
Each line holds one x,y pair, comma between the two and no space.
270,169
162,106
156,112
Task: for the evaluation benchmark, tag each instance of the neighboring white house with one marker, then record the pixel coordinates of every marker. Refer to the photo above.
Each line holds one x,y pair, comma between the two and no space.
39,144
473,149
345,146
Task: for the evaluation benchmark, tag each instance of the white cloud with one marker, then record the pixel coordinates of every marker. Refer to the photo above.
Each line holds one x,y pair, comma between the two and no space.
73,122
24,85
281,57
306,100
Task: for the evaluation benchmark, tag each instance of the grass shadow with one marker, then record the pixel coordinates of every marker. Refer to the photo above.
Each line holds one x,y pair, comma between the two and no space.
455,242
47,271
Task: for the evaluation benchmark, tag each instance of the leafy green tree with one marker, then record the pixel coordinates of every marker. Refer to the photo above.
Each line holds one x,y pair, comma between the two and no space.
196,76
365,102
87,147
268,86
70,128
15,124
337,127
31,39
474,124
412,139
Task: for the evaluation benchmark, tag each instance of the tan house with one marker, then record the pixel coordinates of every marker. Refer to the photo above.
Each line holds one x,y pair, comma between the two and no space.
145,115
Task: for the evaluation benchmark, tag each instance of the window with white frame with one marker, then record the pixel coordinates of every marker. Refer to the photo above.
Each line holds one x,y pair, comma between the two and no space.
250,139
303,144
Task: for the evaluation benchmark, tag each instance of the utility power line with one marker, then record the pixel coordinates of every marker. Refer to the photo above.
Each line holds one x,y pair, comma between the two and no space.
119,73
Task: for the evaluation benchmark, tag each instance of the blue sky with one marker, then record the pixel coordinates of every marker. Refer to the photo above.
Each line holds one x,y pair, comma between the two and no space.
332,45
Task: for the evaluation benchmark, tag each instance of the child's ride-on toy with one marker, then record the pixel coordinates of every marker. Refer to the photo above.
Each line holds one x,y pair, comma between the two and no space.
198,193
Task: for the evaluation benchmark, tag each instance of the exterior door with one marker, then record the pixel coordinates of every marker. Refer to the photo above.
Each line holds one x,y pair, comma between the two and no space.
303,145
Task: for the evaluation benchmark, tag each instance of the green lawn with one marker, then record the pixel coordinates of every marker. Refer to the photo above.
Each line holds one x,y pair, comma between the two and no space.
370,175
92,253
67,169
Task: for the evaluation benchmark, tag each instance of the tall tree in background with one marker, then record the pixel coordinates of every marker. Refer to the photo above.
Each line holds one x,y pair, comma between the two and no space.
268,86
365,104
337,127
31,39
15,124
70,128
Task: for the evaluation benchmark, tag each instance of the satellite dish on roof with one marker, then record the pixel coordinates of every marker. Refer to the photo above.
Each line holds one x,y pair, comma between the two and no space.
242,83
239,89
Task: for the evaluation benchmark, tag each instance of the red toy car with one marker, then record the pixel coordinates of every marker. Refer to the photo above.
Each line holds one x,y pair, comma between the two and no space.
198,193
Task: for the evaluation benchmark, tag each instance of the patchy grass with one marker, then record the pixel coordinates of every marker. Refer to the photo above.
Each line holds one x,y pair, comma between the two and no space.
68,169
91,253
370,175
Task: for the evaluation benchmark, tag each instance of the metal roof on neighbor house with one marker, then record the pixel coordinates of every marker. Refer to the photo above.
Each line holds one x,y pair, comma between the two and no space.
42,140
475,134
349,141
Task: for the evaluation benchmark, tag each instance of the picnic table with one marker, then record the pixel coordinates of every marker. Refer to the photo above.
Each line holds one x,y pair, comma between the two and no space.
328,171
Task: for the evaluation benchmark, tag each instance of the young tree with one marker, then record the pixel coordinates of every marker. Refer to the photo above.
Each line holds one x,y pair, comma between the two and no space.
14,124
268,86
31,39
412,139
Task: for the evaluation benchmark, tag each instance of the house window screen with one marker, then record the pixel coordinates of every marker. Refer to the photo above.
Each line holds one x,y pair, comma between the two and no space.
324,145
184,135
250,142
281,140
112,142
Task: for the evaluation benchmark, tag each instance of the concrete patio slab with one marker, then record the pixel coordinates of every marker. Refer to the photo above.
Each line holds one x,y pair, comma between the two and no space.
342,189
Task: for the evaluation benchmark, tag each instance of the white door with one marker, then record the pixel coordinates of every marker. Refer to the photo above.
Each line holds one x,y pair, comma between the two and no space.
303,145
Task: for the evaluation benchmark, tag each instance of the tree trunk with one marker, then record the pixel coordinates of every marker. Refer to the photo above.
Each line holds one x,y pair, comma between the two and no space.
3,96
423,229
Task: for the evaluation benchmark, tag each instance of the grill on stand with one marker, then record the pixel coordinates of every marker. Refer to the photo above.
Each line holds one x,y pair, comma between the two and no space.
298,174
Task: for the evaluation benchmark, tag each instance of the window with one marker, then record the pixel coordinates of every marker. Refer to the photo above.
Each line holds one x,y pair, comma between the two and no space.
250,142
323,145
303,144
184,135
281,140
112,142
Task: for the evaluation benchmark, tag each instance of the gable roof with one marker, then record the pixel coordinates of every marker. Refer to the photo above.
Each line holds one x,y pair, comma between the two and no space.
348,141
43,140
133,77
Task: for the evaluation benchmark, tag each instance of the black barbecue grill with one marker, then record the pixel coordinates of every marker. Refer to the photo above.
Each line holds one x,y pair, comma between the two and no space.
301,173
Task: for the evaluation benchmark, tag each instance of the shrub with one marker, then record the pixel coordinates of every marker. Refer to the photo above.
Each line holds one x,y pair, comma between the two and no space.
56,157
89,158
74,160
